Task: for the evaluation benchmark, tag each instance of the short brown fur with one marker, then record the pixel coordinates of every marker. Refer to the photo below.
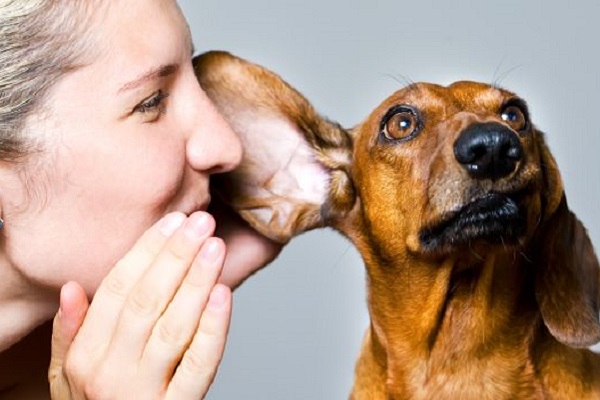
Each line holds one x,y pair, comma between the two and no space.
478,319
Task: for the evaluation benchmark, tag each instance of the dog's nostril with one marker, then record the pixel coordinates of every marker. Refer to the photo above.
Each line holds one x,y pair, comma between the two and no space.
512,152
474,153
488,151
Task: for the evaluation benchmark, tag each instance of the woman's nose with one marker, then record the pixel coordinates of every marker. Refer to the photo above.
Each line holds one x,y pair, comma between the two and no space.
213,147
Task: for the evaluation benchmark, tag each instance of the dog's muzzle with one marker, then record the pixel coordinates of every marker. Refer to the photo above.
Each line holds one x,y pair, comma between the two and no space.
488,151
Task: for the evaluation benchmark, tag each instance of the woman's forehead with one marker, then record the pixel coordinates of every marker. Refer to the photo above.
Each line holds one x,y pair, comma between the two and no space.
134,37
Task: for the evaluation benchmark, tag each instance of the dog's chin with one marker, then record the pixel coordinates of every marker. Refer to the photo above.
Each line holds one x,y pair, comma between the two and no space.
494,219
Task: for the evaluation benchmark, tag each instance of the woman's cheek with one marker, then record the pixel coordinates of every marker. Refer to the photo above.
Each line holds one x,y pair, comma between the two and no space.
165,173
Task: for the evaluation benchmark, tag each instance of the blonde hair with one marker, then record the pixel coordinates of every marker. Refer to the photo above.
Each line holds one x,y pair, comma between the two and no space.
40,41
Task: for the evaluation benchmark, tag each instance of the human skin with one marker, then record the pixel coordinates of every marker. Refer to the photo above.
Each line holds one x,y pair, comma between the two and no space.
129,138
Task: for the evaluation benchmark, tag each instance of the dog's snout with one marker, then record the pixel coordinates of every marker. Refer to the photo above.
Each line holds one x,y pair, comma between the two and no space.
488,151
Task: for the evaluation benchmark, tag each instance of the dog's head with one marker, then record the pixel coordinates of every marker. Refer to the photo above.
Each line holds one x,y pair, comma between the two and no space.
432,172
457,170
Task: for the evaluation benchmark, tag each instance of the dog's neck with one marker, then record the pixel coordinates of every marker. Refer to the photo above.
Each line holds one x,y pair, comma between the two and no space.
438,326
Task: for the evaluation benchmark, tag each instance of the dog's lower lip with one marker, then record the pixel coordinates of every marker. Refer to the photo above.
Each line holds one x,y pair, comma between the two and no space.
493,218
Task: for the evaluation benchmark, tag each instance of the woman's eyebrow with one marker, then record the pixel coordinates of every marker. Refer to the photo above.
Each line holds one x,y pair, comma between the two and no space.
154,73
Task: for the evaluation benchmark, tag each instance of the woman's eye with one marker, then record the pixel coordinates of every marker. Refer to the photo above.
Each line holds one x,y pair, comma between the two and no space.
400,123
152,107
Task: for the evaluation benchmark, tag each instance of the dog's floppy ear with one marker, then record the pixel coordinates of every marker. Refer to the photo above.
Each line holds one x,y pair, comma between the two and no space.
294,175
568,273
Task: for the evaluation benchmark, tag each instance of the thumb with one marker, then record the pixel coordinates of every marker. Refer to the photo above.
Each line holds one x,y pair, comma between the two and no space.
73,308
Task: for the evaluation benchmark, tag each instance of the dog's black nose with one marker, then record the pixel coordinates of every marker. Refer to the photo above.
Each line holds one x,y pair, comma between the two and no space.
488,151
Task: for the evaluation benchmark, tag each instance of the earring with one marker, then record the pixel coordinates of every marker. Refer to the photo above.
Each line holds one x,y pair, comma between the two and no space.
1,223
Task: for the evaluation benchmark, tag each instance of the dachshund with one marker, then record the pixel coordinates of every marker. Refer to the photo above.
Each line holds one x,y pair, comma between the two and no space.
482,284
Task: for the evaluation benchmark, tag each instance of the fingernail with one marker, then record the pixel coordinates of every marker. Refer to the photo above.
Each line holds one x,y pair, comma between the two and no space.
211,250
170,223
197,225
62,298
218,297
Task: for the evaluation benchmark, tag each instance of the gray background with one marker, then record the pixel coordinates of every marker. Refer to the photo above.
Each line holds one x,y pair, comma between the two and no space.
298,324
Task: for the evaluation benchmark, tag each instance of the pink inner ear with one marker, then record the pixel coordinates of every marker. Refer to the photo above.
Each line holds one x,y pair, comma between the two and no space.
279,186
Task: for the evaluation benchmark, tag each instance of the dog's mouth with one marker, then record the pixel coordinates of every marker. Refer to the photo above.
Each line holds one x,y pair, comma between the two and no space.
494,218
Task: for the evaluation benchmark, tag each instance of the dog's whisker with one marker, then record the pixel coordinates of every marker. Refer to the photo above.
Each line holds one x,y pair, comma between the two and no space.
494,83
338,262
504,75
526,257
504,246
480,258
403,80
538,223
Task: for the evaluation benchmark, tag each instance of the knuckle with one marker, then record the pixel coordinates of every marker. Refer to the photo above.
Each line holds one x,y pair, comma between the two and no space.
179,253
146,250
74,366
75,370
197,362
97,388
171,335
195,281
194,362
142,303
115,285
55,374
101,384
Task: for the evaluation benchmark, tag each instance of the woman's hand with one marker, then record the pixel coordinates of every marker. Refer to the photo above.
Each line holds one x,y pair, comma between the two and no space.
157,325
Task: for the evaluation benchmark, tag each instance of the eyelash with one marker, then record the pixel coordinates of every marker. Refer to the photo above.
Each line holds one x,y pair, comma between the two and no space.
153,104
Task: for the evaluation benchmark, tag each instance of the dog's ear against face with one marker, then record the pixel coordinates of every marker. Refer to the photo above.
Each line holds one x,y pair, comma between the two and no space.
294,175
568,274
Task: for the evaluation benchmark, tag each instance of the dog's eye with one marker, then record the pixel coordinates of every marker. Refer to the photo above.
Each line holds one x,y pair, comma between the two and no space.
400,123
515,117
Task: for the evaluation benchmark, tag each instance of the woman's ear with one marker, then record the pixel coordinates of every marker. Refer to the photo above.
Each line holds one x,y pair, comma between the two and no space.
295,172
568,274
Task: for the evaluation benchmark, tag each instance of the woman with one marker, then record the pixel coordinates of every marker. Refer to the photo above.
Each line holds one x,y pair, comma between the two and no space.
107,143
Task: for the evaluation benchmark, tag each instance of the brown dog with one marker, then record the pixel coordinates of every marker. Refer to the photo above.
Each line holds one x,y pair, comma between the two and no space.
481,283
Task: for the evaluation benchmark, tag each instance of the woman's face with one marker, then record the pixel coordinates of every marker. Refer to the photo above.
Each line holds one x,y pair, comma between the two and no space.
129,137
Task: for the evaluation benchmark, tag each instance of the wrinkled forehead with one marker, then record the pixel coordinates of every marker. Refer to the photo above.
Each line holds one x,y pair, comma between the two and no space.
460,96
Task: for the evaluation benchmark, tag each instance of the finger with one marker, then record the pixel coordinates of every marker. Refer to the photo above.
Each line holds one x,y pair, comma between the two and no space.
151,295
72,311
199,364
175,329
114,289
